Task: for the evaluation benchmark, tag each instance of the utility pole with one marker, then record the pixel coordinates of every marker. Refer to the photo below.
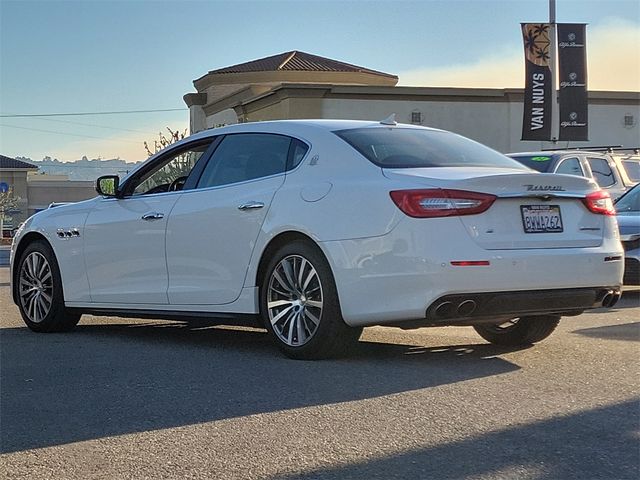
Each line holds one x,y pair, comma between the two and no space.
553,44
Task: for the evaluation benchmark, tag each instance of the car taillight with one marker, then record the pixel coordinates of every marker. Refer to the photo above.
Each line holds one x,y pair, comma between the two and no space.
599,202
439,202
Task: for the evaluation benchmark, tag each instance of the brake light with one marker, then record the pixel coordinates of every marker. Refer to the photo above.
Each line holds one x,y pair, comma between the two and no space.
599,202
439,202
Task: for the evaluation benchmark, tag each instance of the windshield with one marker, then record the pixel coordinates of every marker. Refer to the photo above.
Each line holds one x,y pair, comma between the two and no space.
539,162
415,148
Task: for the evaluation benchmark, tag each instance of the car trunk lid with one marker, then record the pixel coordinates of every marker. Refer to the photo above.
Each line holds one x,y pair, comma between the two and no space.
532,210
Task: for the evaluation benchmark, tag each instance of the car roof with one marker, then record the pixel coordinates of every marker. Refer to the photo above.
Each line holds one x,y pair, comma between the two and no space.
321,124
553,153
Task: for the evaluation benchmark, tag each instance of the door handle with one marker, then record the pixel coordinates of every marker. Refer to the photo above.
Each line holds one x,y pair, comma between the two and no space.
250,206
152,216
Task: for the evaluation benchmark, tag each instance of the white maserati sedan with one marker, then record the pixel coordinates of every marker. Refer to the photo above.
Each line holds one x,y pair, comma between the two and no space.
317,228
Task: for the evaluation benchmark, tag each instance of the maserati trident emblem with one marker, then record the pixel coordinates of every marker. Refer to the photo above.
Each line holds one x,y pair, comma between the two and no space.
544,188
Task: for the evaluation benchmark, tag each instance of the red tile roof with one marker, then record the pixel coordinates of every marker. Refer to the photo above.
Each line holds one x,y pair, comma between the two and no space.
297,61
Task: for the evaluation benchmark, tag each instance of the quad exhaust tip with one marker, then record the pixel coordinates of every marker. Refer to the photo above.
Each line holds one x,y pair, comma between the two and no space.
611,298
448,309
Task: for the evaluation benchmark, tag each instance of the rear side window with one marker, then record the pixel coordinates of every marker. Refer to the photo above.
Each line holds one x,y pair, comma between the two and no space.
602,173
246,156
541,163
570,166
298,151
414,148
632,168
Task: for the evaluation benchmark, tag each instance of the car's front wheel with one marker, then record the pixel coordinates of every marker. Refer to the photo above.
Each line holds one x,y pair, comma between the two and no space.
299,304
519,331
39,289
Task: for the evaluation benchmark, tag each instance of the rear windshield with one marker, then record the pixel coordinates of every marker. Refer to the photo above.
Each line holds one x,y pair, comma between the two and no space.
415,148
539,162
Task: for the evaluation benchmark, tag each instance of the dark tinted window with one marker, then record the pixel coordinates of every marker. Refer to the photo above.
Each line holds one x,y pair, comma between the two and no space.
570,166
411,148
633,169
246,156
298,151
602,173
539,162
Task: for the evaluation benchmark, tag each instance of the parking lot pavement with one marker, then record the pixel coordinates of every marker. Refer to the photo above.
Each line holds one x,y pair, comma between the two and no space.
121,398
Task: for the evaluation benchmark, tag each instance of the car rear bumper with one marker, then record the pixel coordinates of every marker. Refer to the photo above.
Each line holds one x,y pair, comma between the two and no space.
469,307
400,276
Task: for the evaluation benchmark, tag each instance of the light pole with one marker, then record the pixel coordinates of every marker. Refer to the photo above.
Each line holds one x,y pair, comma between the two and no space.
554,76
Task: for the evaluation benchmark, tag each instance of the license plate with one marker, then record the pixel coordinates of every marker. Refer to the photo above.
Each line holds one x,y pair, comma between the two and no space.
541,218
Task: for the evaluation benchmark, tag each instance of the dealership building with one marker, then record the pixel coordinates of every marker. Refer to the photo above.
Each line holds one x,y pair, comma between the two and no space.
300,85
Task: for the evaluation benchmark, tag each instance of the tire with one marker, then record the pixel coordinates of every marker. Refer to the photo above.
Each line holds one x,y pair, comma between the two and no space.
299,305
40,297
521,331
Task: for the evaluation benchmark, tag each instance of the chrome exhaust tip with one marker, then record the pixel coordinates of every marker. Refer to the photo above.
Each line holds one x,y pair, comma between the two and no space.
608,300
443,310
466,308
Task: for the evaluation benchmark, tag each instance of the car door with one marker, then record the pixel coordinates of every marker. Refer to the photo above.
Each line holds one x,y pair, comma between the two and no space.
213,229
125,253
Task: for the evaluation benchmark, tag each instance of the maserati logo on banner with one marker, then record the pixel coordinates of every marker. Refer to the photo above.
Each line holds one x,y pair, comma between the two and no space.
572,57
536,123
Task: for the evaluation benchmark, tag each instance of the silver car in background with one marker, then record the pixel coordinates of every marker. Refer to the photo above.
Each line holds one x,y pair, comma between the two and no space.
628,215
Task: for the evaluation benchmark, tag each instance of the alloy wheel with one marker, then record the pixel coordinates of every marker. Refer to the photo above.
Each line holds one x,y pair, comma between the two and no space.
294,300
36,287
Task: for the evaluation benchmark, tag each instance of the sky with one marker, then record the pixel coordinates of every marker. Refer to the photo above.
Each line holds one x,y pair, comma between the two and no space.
105,56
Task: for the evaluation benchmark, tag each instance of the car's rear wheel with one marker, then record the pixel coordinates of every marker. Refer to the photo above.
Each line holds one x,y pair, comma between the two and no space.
299,304
40,297
519,331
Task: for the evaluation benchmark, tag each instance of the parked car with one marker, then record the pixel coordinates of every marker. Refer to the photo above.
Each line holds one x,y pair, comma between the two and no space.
630,163
628,215
317,228
608,172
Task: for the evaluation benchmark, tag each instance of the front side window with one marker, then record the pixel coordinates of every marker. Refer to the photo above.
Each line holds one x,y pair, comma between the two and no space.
416,148
570,166
170,173
246,156
602,173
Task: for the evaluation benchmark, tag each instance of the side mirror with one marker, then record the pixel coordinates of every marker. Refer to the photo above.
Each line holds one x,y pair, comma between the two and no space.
107,185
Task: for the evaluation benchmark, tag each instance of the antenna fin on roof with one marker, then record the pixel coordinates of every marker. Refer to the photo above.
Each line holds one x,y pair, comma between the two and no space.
390,120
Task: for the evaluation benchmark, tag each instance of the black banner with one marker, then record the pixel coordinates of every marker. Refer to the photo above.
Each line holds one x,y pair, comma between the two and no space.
536,122
572,57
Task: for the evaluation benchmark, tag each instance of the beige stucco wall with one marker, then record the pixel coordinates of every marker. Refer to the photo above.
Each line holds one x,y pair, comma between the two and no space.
497,124
42,193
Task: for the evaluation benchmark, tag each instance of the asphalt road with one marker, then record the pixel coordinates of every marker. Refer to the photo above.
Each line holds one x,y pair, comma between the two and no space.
143,399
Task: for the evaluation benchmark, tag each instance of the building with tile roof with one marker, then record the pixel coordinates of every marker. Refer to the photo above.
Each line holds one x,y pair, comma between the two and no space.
301,85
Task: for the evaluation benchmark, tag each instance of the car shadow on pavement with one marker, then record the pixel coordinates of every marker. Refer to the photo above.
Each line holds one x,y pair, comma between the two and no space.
625,331
113,379
559,448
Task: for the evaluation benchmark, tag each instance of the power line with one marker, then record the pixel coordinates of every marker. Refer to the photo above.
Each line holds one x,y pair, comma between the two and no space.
64,133
94,125
23,115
